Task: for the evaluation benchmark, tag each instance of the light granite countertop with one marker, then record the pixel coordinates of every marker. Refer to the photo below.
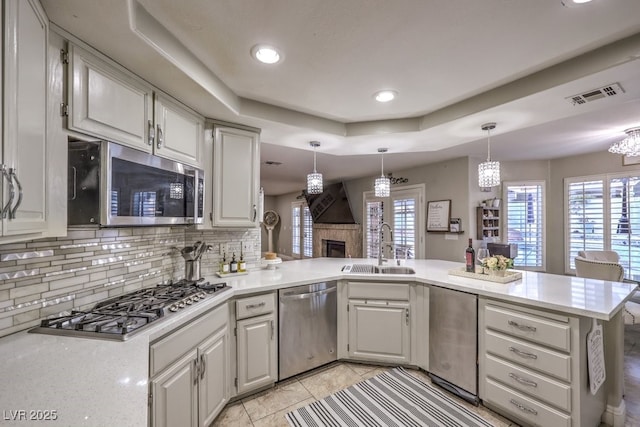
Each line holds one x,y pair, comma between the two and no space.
95,382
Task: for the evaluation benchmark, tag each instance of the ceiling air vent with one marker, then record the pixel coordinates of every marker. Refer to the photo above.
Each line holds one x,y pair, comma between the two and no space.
595,94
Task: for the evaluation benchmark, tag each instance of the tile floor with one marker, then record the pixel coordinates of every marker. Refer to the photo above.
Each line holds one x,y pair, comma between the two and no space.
268,408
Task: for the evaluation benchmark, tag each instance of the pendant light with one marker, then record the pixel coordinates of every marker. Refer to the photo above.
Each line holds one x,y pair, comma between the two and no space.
489,172
314,180
630,146
382,186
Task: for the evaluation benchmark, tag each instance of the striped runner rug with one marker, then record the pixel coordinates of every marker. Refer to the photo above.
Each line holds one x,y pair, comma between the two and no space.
392,399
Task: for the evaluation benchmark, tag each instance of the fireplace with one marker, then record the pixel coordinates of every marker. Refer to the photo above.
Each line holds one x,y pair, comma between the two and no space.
349,236
334,248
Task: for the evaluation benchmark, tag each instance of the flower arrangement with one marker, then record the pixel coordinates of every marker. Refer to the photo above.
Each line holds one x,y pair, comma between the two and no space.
497,262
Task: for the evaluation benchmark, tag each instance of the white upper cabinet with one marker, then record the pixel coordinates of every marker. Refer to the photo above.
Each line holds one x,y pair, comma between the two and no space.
24,132
236,177
178,132
107,102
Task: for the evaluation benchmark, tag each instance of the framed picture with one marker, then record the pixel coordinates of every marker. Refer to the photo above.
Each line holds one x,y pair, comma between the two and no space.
438,215
628,160
454,225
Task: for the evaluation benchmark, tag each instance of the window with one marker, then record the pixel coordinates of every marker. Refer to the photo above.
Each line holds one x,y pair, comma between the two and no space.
603,213
403,211
301,230
524,222
144,203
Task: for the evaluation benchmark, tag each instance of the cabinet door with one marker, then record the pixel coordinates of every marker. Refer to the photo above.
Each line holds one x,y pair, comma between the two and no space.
257,354
174,393
213,393
107,102
379,330
25,118
179,132
236,170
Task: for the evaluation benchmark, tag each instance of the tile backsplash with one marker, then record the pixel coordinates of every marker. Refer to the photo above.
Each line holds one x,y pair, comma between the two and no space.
46,277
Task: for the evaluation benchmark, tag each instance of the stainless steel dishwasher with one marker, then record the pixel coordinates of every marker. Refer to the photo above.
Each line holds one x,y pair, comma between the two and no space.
308,327
453,342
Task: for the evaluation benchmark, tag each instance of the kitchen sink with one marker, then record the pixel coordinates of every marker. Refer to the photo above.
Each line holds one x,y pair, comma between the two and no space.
396,270
374,269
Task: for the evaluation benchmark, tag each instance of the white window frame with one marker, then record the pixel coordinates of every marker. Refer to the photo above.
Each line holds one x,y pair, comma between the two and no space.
505,220
606,214
418,191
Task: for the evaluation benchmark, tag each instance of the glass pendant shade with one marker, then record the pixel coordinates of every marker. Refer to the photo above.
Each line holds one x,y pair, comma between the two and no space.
314,183
489,171
314,180
382,187
489,174
630,146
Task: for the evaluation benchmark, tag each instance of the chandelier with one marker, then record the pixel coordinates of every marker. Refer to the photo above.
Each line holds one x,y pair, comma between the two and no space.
489,172
382,185
314,180
630,146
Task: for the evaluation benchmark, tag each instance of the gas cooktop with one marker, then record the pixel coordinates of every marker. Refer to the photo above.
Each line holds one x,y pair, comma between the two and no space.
120,317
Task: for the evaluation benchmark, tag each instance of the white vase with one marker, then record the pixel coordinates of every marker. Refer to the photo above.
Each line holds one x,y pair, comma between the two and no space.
499,273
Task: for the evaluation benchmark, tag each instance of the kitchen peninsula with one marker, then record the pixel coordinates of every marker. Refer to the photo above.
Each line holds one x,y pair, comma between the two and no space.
80,381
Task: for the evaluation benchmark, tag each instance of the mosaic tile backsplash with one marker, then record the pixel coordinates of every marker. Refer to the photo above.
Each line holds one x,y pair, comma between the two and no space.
46,277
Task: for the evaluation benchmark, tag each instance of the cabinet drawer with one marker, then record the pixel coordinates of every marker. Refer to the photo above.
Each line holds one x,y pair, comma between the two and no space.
527,354
169,348
255,306
382,291
529,326
525,408
525,380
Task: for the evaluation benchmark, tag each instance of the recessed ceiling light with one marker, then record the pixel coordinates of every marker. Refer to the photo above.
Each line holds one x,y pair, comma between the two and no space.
266,54
569,3
385,95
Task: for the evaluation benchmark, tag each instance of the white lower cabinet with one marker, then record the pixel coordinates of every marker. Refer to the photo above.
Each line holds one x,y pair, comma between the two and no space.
379,322
175,393
379,330
214,377
533,366
190,368
256,352
256,342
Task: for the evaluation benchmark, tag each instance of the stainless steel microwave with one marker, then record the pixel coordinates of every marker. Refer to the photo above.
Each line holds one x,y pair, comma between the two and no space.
111,185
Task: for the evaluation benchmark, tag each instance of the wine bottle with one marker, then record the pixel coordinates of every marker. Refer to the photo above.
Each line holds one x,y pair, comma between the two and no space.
233,265
470,256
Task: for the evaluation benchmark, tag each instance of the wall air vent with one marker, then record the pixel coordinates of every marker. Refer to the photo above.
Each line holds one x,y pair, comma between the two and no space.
595,94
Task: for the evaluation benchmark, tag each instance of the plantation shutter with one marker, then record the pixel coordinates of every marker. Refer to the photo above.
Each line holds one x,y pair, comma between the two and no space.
373,213
295,229
525,222
585,217
624,200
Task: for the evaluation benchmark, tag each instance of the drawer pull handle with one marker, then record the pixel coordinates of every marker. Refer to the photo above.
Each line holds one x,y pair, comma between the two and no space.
522,407
522,353
250,306
523,380
526,328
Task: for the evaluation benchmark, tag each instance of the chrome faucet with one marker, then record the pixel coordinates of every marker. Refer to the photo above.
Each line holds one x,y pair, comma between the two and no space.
381,258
